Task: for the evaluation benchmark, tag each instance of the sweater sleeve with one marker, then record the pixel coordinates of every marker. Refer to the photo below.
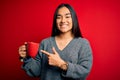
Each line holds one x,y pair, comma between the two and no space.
83,66
33,66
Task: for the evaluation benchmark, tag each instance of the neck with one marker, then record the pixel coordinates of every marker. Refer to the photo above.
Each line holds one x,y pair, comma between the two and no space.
68,35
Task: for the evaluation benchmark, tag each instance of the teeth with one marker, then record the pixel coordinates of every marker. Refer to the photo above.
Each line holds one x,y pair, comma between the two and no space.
63,24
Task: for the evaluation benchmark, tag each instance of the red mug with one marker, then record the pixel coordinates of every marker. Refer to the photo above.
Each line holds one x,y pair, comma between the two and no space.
32,49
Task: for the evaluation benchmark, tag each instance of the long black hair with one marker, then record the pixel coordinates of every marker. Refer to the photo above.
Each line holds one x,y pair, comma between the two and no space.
75,28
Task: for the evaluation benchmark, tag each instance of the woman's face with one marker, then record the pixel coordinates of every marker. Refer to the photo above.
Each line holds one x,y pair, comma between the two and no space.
64,20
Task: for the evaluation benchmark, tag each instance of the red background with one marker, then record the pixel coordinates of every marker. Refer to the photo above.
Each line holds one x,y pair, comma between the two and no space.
31,20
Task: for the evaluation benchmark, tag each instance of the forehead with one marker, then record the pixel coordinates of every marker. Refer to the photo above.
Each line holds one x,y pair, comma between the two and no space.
63,11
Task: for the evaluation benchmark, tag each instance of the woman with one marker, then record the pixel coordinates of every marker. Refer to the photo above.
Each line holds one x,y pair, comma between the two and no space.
66,55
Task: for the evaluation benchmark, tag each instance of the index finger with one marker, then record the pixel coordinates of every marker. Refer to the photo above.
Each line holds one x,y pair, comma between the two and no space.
45,52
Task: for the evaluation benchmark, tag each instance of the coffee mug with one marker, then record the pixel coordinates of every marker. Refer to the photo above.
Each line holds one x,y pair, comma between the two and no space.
32,49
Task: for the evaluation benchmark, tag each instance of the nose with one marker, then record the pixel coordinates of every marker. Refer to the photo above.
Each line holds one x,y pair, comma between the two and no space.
63,19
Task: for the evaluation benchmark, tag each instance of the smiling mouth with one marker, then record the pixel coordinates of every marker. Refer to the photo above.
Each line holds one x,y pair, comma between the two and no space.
63,25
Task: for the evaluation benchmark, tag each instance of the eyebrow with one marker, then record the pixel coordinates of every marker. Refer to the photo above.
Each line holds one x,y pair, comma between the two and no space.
65,14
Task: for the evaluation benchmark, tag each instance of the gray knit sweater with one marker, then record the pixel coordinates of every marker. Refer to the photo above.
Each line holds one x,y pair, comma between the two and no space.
77,53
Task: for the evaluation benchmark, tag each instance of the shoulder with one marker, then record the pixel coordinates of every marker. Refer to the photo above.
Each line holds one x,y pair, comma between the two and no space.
46,40
83,40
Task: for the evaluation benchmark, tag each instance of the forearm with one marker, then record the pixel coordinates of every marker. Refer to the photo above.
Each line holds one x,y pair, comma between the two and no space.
78,70
32,67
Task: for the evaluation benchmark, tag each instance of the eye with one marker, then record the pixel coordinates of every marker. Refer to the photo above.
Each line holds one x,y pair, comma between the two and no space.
58,17
68,16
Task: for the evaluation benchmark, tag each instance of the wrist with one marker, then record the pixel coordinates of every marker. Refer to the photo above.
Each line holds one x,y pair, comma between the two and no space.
21,59
24,58
64,66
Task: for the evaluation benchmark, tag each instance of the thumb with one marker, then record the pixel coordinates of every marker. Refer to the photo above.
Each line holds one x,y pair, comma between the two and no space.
54,51
26,46
25,43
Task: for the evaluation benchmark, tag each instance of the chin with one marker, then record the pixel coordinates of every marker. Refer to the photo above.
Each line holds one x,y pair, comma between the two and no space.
63,31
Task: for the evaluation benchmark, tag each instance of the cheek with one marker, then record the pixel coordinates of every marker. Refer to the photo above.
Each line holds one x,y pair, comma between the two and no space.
70,23
57,22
